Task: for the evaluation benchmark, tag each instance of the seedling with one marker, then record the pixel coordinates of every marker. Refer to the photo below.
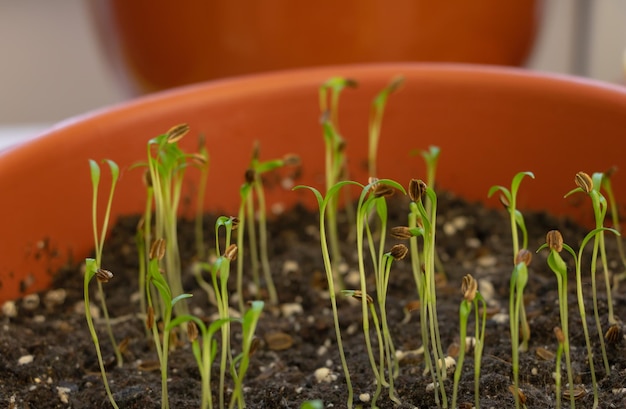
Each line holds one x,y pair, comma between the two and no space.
509,200
258,248
166,166
471,297
372,199
312,404
554,242
335,160
608,188
591,186
425,221
202,159
560,337
376,120
93,267
519,278
249,343
167,303
204,350
322,203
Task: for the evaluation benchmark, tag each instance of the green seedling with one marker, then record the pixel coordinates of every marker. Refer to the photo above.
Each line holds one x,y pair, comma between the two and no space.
249,344
167,303
608,188
509,200
204,349
93,267
422,223
312,404
554,242
335,160
202,159
519,279
591,186
220,271
253,187
166,166
581,303
376,120
372,200
471,297
560,338
323,206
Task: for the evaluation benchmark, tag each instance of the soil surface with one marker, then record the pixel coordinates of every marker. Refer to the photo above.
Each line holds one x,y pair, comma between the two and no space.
47,359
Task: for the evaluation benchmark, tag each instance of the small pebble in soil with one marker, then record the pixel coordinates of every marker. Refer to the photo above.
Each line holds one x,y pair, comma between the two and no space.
55,298
364,397
289,309
64,394
30,302
290,266
25,359
9,309
324,375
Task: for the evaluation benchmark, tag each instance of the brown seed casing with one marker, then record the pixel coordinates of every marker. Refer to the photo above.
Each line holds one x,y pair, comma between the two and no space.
469,288
231,252
417,188
401,233
524,256
192,331
399,251
359,295
558,333
157,250
176,133
579,392
584,182
103,275
554,239
249,176
614,334
150,318
520,394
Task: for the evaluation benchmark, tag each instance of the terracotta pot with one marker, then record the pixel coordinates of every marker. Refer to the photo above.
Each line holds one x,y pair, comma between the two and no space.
489,122
158,45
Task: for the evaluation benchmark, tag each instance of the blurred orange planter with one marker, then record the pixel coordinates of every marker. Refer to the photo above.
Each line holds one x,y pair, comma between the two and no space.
162,44
489,122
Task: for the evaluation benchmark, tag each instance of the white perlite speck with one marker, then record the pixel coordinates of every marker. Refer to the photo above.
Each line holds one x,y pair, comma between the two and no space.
364,397
25,359
324,375
64,394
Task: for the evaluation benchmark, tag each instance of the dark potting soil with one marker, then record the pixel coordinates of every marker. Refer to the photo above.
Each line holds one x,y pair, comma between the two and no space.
47,359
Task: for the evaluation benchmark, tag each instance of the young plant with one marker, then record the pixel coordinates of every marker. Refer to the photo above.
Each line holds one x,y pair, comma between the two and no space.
560,338
204,349
425,226
554,242
471,297
608,188
323,205
376,120
93,267
166,166
167,303
202,159
509,200
591,186
241,362
253,186
372,201
335,160
519,278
